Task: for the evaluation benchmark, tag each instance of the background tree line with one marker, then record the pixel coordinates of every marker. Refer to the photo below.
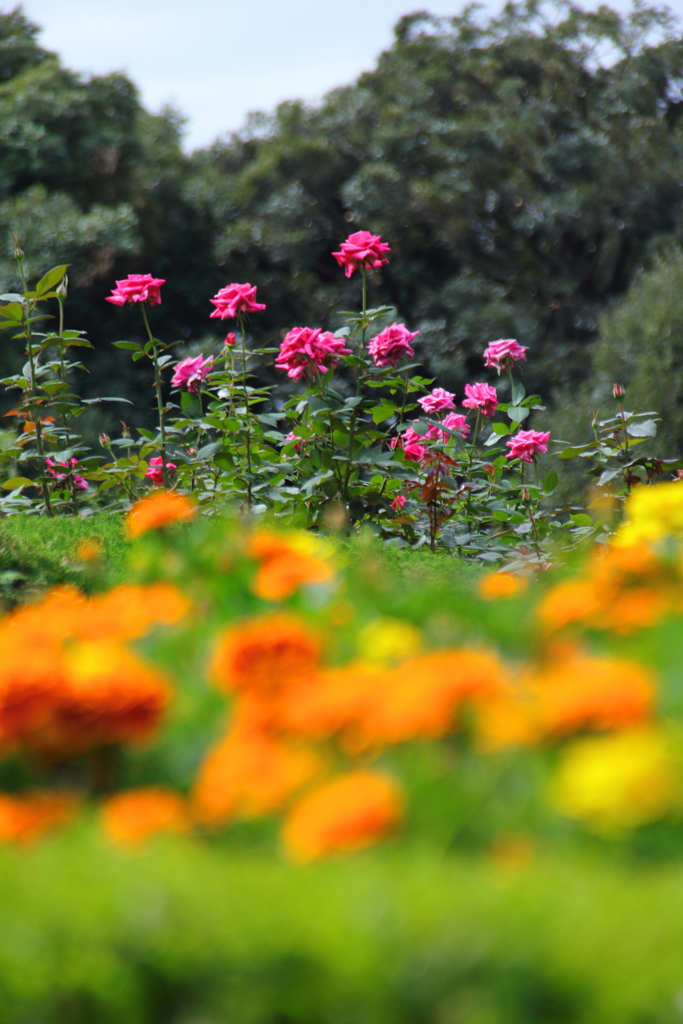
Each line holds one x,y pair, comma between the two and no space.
524,168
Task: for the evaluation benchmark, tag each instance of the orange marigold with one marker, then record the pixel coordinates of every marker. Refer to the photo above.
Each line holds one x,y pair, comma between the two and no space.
132,817
420,698
250,773
129,611
111,696
287,561
497,585
25,819
345,814
265,656
593,693
161,508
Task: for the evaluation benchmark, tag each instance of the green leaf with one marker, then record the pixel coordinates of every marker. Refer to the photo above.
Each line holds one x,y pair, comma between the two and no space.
517,413
551,481
518,393
52,278
500,429
341,439
382,412
501,516
188,402
132,345
208,450
646,429
581,519
17,481
13,311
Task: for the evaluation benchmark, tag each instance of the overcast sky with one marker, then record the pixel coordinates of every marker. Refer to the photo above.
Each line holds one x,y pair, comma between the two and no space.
216,60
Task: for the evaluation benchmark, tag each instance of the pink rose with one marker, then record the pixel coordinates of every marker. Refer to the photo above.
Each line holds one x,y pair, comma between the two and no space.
456,421
230,339
190,373
505,351
413,451
527,443
390,346
234,299
398,502
155,473
482,397
310,350
78,480
437,400
361,250
137,288
291,436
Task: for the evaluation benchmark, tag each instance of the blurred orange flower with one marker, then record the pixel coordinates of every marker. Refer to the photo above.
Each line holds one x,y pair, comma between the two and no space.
161,508
132,817
266,655
287,561
111,696
250,773
593,693
497,585
345,814
25,819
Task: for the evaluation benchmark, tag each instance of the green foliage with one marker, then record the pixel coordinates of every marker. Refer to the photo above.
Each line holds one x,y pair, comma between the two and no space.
191,932
36,553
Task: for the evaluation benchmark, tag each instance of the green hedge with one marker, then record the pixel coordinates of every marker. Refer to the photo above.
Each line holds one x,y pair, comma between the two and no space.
193,933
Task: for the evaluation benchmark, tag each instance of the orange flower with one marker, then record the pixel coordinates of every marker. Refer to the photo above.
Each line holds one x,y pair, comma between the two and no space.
132,817
128,612
88,550
346,814
505,721
569,602
265,656
420,698
497,585
161,508
593,693
111,696
333,700
32,687
287,562
24,819
249,773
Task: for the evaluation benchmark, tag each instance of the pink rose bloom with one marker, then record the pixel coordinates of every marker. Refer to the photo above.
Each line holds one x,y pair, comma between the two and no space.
437,400
190,373
137,288
398,502
230,339
482,397
498,353
291,436
413,451
527,443
155,472
361,249
390,346
456,421
78,480
234,299
309,350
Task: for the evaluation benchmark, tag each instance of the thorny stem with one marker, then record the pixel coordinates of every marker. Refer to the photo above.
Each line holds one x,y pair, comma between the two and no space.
37,411
359,379
240,318
157,385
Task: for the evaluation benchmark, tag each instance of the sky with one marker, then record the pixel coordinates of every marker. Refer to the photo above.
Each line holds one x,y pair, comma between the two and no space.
216,60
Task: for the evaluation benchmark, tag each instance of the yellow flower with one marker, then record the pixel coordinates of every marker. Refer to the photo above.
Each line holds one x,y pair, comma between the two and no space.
618,782
158,509
652,513
386,640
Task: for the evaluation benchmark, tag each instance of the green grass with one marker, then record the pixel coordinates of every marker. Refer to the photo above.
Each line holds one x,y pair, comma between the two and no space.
36,552
193,933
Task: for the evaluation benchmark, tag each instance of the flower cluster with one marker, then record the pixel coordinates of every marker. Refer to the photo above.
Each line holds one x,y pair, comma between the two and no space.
308,350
